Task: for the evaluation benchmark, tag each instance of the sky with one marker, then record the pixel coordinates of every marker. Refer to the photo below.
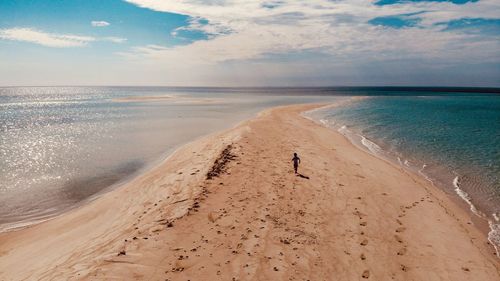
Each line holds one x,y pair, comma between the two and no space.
250,42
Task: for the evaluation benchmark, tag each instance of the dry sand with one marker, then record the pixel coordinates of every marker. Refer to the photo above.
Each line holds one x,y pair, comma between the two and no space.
348,216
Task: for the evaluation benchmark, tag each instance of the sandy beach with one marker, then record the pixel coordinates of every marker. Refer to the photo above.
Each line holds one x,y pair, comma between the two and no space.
229,207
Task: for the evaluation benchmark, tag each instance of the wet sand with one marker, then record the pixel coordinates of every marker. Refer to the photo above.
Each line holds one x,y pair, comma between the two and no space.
229,207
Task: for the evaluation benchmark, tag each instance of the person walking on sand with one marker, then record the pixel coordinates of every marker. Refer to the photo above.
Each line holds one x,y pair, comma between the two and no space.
296,161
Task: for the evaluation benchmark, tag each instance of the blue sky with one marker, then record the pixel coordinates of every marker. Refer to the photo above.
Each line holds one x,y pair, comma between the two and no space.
250,42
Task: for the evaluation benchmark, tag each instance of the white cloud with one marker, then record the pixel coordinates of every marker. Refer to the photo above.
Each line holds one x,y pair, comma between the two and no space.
51,39
114,39
45,39
299,42
99,23
249,29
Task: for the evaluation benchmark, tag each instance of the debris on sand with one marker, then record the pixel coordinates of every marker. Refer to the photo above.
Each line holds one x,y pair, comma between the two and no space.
220,164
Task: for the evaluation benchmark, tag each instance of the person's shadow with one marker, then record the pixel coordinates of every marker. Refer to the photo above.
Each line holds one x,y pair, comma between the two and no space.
302,176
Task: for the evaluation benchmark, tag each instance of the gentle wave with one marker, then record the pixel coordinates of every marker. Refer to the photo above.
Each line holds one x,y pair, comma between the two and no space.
373,148
494,236
424,175
494,233
466,197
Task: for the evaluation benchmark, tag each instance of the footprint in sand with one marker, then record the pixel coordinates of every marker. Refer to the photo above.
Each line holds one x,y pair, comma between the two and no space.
398,238
402,252
363,223
400,229
404,268
364,242
362,257
366,274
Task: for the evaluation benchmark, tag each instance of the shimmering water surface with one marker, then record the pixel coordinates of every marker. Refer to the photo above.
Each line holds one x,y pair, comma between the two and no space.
61,145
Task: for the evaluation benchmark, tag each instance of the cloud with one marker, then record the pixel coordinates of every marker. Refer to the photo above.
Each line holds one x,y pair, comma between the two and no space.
398,21
390,2
45,39
114,39
473,26
101,23
53,40
252,29
310,42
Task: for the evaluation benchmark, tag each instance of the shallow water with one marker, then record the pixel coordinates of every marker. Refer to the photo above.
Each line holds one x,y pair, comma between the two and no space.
61,145
453,141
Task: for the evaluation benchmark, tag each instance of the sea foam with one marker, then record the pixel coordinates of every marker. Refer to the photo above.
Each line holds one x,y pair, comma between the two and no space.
373,147
432,149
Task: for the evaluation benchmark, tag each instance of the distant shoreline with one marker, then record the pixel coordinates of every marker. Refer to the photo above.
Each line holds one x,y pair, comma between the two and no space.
448,89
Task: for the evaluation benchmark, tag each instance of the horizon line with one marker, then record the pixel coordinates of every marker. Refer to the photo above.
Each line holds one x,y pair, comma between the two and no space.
263,87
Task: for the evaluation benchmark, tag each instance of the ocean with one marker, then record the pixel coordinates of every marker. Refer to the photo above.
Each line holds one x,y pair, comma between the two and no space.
63,146
451,140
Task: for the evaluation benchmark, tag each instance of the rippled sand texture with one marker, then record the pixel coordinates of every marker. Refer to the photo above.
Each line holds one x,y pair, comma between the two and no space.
347,215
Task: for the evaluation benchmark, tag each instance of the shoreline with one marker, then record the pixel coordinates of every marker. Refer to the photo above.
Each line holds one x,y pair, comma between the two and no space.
489,226
161,205
147,168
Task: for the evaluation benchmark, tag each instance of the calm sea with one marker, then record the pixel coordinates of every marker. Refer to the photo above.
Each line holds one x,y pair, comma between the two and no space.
451,140
60,146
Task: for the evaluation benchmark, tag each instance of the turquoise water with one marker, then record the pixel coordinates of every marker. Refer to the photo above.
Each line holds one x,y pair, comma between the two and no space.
453,141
